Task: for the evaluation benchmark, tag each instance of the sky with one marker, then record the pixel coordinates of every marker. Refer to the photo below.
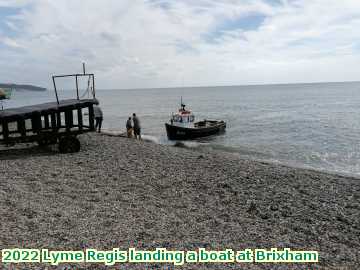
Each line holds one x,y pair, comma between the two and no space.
169,43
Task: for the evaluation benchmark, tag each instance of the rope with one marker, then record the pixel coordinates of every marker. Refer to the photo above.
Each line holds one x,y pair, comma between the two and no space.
87,90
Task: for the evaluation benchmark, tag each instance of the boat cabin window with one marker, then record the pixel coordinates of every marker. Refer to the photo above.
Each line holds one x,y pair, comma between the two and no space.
183,118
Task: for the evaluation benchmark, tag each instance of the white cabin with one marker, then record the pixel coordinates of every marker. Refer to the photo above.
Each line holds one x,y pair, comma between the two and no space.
183,117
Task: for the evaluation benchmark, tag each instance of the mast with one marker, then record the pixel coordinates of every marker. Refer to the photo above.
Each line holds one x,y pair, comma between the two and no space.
182,105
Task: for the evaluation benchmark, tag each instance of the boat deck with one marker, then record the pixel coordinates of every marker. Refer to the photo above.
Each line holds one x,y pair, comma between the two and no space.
206,123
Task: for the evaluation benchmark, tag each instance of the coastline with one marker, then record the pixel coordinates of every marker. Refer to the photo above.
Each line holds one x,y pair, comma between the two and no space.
117,192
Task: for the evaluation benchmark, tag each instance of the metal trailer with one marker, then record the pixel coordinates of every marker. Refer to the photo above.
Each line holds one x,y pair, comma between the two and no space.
51,123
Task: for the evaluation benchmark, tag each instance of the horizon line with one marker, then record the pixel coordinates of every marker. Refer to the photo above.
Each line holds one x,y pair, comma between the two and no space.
231,85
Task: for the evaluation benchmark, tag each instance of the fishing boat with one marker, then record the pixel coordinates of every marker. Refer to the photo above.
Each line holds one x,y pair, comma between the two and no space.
4,94
182,126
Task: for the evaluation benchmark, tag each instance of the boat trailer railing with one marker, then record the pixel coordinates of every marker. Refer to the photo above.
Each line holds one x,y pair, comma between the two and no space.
90,86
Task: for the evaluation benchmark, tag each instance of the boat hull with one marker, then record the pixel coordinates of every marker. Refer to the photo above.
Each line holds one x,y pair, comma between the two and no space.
184,133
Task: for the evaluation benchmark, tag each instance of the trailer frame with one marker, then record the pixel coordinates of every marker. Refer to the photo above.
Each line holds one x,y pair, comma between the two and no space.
54,122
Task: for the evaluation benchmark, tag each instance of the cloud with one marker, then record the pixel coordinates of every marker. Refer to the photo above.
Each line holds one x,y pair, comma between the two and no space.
13,3
159,43
10,43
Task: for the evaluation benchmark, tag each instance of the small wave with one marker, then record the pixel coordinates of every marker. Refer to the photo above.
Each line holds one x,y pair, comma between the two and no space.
120,133
111,132
150,138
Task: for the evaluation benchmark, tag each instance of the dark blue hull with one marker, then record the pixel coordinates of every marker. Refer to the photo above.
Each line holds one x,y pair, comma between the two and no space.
186,133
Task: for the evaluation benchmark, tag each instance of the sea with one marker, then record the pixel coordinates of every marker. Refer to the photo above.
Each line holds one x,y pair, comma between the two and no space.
315,125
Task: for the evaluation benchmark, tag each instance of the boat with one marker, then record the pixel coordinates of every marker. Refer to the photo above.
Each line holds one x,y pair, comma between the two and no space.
5,93
182,126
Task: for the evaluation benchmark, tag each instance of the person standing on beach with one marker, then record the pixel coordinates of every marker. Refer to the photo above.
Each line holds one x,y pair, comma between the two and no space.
137,127
98,114
129,128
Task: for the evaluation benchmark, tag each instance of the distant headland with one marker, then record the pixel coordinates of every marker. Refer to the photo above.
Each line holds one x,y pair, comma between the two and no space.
22,87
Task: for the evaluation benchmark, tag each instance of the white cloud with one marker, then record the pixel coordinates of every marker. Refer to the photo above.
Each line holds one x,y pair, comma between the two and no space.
13,3
133,43
10,43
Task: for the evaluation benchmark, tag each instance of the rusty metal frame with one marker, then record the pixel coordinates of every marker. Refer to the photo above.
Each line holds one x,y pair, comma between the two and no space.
91,77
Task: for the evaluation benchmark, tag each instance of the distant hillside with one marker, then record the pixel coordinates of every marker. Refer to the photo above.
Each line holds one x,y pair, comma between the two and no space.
22,87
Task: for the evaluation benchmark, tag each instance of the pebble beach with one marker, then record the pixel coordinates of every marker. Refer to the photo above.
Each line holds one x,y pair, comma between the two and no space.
120,192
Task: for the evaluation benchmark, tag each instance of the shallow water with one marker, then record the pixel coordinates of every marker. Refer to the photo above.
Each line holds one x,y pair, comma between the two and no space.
306,125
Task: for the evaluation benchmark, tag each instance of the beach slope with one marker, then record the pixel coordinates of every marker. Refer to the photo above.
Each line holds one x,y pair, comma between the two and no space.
118,192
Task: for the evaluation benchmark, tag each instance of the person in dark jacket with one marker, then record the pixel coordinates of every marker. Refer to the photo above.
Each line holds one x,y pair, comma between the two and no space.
98,114
137,127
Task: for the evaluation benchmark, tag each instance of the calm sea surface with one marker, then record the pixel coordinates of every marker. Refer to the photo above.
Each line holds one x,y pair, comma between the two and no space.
306,125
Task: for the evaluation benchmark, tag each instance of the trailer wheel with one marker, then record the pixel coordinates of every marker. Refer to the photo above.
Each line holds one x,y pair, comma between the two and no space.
69,145
46,139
